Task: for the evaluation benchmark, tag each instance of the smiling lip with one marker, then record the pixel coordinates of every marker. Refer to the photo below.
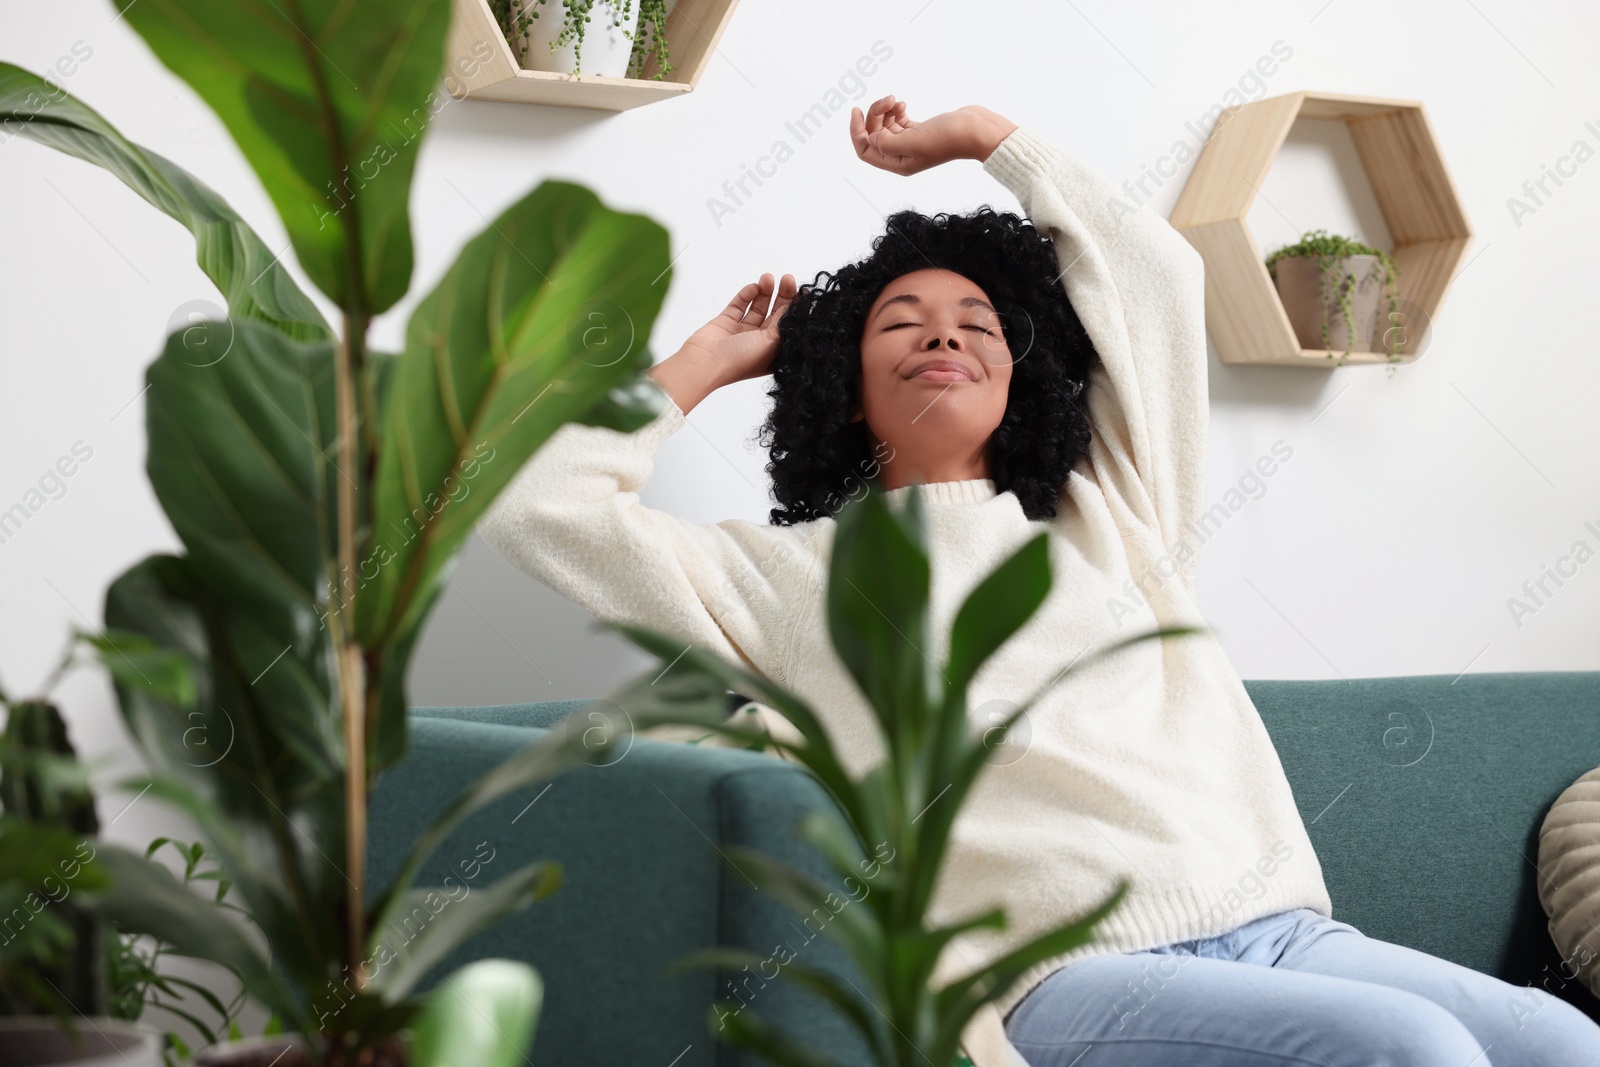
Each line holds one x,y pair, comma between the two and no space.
942,370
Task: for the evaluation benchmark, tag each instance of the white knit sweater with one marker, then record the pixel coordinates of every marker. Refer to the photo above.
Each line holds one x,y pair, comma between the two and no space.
1151,765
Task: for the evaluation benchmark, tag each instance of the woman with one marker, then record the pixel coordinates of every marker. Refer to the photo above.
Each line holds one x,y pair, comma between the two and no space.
1050,373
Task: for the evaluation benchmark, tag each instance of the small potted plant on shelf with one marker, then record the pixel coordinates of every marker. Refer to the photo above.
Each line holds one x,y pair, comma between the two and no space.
625,42
1331,287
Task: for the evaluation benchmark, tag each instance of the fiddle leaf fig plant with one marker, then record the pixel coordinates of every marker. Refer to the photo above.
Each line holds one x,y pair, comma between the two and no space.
878,622
1336,285
320,488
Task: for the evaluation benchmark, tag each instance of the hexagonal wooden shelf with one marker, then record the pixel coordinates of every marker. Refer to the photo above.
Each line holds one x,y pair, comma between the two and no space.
1401,159
692,31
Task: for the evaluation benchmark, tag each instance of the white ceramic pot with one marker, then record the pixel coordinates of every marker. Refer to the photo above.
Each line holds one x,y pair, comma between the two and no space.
39,1041
607,41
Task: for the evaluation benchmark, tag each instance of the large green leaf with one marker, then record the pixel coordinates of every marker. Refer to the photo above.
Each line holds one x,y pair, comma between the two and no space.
252,279
877,609
957,1002
274,820
328,100
998,608
241,456
541,320
483,1015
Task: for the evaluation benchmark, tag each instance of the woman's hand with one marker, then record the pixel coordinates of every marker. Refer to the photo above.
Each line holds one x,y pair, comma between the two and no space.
890,139
738,344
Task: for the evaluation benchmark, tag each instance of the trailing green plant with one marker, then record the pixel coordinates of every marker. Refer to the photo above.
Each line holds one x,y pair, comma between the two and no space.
878,622
649,38
1337,285
138,985
321,489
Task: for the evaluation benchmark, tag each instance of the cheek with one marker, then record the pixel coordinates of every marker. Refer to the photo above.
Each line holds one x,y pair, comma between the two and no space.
1001,373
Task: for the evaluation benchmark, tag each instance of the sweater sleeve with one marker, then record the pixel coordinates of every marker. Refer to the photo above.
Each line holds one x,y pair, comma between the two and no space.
572,518
1138,287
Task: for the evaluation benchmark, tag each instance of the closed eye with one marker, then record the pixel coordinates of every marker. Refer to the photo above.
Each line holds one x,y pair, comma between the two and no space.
981,329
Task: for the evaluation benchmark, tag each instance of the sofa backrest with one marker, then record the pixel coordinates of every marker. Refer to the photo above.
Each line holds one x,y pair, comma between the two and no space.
1423,797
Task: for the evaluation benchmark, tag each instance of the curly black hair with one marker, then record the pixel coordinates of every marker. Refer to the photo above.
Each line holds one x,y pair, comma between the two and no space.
817,455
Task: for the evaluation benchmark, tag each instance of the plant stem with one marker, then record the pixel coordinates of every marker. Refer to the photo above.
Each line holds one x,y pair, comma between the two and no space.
352,666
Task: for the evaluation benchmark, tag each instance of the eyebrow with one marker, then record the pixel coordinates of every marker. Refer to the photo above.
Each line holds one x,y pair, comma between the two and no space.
913,298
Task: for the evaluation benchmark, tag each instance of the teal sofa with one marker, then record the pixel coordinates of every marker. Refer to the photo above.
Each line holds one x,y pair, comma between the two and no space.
1423,797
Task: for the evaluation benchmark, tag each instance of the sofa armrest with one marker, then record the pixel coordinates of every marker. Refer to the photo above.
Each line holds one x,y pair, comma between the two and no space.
639,841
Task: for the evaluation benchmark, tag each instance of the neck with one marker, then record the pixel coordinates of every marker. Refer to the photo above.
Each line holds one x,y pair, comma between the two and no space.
899,470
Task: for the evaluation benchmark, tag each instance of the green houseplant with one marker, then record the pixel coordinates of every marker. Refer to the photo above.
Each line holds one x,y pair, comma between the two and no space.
878,620
647,30
321,489
58,957
1347,273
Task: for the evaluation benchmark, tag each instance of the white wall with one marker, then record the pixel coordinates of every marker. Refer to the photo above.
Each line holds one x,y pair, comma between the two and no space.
1414,505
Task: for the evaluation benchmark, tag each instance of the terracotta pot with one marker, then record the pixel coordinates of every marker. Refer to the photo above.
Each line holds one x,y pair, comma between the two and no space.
607,40
1312,303
40,1041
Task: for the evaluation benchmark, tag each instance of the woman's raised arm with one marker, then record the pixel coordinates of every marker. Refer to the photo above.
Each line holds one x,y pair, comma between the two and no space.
572,518
1136,284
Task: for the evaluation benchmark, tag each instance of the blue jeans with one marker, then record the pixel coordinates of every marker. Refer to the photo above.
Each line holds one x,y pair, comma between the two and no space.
1293,988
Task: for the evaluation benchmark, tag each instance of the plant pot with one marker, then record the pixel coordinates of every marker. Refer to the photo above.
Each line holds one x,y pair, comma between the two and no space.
1312,303
607,42
40,1041
284,1050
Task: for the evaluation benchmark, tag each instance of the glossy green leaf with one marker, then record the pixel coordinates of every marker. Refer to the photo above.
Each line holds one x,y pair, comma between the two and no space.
541,320
995,610
134,660
143,897
251,276
958,1001
242,457
271,819
852,926
877,608
328,100
483,1015
555,751
429,924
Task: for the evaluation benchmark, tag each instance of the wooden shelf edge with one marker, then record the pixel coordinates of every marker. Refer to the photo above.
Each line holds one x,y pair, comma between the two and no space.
1319,359
565,90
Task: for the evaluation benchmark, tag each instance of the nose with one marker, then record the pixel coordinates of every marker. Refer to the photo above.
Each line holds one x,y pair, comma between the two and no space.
933,342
